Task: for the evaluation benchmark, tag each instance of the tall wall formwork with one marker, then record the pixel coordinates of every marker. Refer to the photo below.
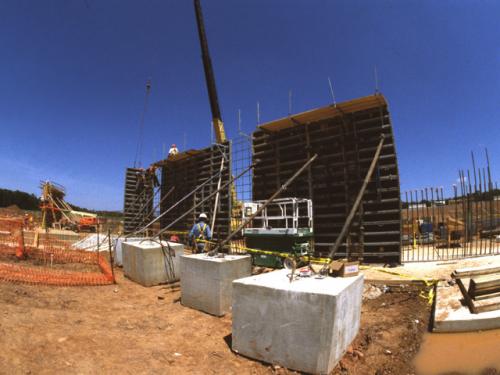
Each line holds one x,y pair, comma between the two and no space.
187,171
345,137
138,202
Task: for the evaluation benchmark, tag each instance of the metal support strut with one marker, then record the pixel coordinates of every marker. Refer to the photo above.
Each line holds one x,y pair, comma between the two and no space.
359,197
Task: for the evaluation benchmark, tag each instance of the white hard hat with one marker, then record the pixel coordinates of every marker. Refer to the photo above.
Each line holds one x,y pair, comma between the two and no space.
203,216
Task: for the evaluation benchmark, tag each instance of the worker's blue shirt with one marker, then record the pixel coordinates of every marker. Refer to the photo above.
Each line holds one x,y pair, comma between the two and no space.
200,228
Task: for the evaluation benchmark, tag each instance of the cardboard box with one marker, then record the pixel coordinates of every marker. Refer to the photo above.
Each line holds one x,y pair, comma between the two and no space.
343,268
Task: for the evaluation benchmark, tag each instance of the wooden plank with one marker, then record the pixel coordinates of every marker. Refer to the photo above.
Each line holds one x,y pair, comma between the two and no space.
318,114
489,304
475,271
483,285
467,298
482,304
485,281
492,295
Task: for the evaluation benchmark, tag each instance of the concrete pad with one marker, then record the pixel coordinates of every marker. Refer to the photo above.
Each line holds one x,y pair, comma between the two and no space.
149,263
206,281
305,325
428,270
450,315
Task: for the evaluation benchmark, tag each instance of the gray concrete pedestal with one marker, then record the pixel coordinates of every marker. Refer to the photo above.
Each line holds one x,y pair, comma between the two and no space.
151,263
206,281
305,325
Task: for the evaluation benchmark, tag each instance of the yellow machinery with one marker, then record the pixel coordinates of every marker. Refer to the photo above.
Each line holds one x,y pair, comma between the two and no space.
57,213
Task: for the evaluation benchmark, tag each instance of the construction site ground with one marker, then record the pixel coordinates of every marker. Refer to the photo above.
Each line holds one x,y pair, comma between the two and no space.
427,270
126,328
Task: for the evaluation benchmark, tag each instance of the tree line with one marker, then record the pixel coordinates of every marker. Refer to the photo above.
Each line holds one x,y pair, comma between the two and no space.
21,199
26,201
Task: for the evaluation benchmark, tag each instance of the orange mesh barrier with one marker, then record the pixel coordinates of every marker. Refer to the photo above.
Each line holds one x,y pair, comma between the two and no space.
51,251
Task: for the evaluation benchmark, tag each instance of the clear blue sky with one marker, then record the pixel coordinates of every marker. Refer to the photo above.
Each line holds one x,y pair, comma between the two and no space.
72,77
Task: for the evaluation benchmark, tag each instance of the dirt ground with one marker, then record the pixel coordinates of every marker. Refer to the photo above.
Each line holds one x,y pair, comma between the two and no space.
45,264
129,329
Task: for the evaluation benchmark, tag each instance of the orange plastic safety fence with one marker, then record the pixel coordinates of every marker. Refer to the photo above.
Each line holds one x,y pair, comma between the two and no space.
30,275
51,251
11,235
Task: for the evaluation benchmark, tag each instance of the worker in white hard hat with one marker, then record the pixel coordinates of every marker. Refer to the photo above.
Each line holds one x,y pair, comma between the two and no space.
200,233
173,150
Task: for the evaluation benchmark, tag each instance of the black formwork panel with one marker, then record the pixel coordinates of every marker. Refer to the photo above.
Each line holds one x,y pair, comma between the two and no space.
345,142
187,171
138,202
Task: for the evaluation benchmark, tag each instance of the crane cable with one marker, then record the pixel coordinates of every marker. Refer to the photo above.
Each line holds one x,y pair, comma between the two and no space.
138,150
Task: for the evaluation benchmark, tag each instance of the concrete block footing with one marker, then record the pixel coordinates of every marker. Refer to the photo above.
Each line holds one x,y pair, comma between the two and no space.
305,325
151,263
206,282
119,248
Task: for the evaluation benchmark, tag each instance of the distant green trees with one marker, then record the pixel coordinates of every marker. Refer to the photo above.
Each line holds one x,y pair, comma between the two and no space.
21,199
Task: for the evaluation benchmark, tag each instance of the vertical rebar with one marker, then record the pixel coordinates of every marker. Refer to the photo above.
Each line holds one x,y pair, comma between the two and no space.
407,222
476,210
462,195
489,213
434,226
470,215
445,223
485,223
332,92
490,194
439,217
481,216
425,226
429,218
456,218
419,242
258,113
411,229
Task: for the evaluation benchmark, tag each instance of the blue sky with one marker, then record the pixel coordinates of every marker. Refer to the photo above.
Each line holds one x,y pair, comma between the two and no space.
72,78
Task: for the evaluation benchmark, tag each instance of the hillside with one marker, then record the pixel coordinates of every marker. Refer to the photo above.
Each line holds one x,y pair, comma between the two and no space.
26,201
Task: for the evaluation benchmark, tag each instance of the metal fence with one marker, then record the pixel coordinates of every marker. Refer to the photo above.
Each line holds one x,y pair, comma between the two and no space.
464,224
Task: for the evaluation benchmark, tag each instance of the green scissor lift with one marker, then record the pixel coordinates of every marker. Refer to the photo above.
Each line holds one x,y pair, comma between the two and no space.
284,226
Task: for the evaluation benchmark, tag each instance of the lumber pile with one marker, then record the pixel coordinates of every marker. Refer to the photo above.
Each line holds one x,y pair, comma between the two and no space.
480,287
484,286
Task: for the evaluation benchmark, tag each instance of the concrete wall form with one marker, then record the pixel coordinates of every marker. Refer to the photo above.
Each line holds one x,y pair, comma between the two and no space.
345,143
186,172
137,203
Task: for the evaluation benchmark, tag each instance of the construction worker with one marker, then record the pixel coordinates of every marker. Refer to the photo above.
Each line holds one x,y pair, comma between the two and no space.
173,150
152,177
199,233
